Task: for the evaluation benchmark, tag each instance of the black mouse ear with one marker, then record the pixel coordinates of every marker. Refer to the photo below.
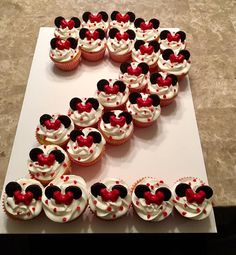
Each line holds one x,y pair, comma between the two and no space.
174,79
106,117
44,117
181,188
59,156
58,20
208,190
73,103
77,193
73,42
138,43
128,117
101,84
35,189
124,66
131,16
113,32
77,22
97,138
11,188
133,97
85,16
182,35
185,53
65,120
155,45
155,23
153,77
155,99
140,190
113,15
166,192
123,191
166,54
96,188
138,22
74,134
49,191
94,102
163,34
121,85
104,16
34,154
53,43
131,34
82,33
144,66
101,33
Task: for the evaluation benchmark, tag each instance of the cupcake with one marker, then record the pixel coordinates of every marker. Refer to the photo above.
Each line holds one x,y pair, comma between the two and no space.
92,43
135,75
192,198
86,147
151,199
172,40
110,199
147,52
65,54
116,127
165,85
47,162
65,198
112,94
122,21
85,112
147,30
66,28
22,199
120,44
175,63
144,108
54,129
92,21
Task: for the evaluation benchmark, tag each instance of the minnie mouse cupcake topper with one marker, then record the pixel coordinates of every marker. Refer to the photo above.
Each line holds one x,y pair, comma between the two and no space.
93,21
122,21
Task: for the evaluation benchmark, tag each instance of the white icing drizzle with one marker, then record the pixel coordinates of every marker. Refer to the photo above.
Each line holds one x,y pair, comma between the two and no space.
120,47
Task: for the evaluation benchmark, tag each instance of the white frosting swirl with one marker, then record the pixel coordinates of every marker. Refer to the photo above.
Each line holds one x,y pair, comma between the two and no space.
144,114
22,211
147,35
85,154
86,119
92,45
63,55
58,136
116,132
175,46
122,26
64,33
48,173
61,212
164,92
152,211
120,47
109,210
133,81
192,210
94,25
173,68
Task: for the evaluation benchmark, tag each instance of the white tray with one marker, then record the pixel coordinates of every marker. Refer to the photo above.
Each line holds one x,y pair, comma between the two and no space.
169,150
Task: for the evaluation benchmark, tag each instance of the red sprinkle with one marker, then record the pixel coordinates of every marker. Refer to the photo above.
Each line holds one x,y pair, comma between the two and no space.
64,219
165,214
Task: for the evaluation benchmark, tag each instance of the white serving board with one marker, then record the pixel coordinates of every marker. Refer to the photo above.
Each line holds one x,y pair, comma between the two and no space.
169,150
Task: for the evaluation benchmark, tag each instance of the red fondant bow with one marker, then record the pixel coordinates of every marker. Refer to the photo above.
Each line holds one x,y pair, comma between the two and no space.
109,195
195,197
122,18
111,90
62,45
145,26
52,125
23,198
92,35
151,198
178,59
134,71
95,18
46,160
84,108
144,103
70,24
117,121
164,82
85,141
124,36
63,199
171,37
148,50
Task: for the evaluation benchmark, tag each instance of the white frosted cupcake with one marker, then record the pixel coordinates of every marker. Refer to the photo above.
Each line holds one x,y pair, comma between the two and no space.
122,21
110,199
92,21
65,198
